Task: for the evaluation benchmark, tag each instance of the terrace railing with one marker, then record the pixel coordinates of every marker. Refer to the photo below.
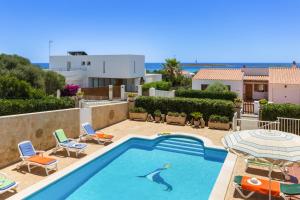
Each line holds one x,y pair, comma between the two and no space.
290,125
248,108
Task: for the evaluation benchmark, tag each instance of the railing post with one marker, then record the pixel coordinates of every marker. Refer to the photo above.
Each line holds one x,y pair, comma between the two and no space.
140,90
152,92
122,92
110,92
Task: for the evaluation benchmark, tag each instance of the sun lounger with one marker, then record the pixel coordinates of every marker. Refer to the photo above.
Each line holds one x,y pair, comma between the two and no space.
278,189
261,163
7,184
62,142
90,133
33,158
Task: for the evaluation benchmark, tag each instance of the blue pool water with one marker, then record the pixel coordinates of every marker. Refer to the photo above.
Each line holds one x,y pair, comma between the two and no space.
165,168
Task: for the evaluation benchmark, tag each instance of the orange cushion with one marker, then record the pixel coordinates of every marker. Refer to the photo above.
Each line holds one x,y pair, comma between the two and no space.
103,135
42,160
263,188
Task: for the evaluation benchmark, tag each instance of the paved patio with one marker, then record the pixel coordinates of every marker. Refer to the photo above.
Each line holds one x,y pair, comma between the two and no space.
138,128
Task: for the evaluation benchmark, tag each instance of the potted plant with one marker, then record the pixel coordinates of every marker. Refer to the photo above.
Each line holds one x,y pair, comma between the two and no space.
218,122
138,113
238,102
157,116
176,118
79,94
197,116
131,96
263,102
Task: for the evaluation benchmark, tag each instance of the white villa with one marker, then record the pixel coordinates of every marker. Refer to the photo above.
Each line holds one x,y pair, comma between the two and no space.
278,85
94,71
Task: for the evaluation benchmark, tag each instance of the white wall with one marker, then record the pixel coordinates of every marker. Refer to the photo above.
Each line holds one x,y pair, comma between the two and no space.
152,78
236,86
279,94
116,66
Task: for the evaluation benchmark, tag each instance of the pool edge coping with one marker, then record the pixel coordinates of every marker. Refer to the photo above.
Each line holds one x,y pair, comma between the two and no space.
215,192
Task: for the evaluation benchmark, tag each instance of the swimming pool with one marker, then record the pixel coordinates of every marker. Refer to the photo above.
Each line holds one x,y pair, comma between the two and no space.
168,167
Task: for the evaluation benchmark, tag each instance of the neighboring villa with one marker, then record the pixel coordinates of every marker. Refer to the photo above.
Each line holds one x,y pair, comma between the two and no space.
278,85
93,71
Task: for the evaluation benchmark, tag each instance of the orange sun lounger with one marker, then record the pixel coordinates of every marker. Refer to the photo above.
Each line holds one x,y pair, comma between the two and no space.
278,189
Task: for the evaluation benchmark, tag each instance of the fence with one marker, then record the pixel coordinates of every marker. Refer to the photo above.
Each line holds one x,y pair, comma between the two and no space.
289,125
95,93
161,93
248,108
116,91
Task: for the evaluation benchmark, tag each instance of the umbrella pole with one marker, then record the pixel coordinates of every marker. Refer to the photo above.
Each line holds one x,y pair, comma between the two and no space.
270,179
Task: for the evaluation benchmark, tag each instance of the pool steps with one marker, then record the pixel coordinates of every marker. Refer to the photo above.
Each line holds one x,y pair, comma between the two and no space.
181,145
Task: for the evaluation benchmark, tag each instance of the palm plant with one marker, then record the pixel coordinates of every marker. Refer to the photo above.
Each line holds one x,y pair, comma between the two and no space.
172,68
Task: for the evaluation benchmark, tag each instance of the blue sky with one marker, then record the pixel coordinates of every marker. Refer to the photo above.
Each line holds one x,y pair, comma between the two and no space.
206,30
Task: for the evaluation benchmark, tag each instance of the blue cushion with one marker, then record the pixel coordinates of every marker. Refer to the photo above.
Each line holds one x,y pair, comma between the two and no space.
89,129
73,144
27,149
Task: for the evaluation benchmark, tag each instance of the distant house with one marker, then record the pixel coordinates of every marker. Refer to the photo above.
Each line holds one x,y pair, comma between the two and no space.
93,71
278,85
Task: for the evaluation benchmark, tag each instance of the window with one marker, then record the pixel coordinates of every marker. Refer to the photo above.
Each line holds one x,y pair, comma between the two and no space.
204,86
229,87
103,67
82,63
88,63
260,87
134,66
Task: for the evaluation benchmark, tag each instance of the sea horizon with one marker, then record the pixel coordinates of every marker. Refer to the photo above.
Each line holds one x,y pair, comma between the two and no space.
194,67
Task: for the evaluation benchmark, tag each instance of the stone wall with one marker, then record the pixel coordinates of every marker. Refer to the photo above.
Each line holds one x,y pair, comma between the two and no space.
109,114
36,127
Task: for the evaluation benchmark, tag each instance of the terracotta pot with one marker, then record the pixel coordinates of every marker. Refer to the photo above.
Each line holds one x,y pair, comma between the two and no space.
197,123
130,99
202,123
176,120
138,116
157,119
219,125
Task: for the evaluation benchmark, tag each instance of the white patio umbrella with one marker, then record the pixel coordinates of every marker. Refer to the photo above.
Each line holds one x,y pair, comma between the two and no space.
272,145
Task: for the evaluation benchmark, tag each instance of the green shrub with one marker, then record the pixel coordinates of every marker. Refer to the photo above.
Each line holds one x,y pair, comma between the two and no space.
187,105
270,112
196,115
202,94
19,106
13,88
263,101
217,87
157,113
160,85
218,118
137,110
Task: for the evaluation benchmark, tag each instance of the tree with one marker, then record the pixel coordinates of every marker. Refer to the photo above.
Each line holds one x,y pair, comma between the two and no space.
217,87
13,88
172,69
22,69
53,82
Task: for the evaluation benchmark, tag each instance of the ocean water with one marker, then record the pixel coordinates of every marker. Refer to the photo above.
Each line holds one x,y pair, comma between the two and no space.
192,67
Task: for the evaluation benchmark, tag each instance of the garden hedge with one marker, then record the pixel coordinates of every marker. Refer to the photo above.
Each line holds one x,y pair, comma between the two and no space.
270,112
160,85
19,106
202,94
187,105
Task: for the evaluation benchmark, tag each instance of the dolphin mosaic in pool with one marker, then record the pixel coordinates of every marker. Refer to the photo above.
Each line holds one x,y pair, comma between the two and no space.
154,176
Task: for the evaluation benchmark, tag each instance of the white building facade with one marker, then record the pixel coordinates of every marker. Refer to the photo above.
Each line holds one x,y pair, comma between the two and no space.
92,71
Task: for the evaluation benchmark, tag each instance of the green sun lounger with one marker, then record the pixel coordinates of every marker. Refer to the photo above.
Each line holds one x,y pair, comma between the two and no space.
6,184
